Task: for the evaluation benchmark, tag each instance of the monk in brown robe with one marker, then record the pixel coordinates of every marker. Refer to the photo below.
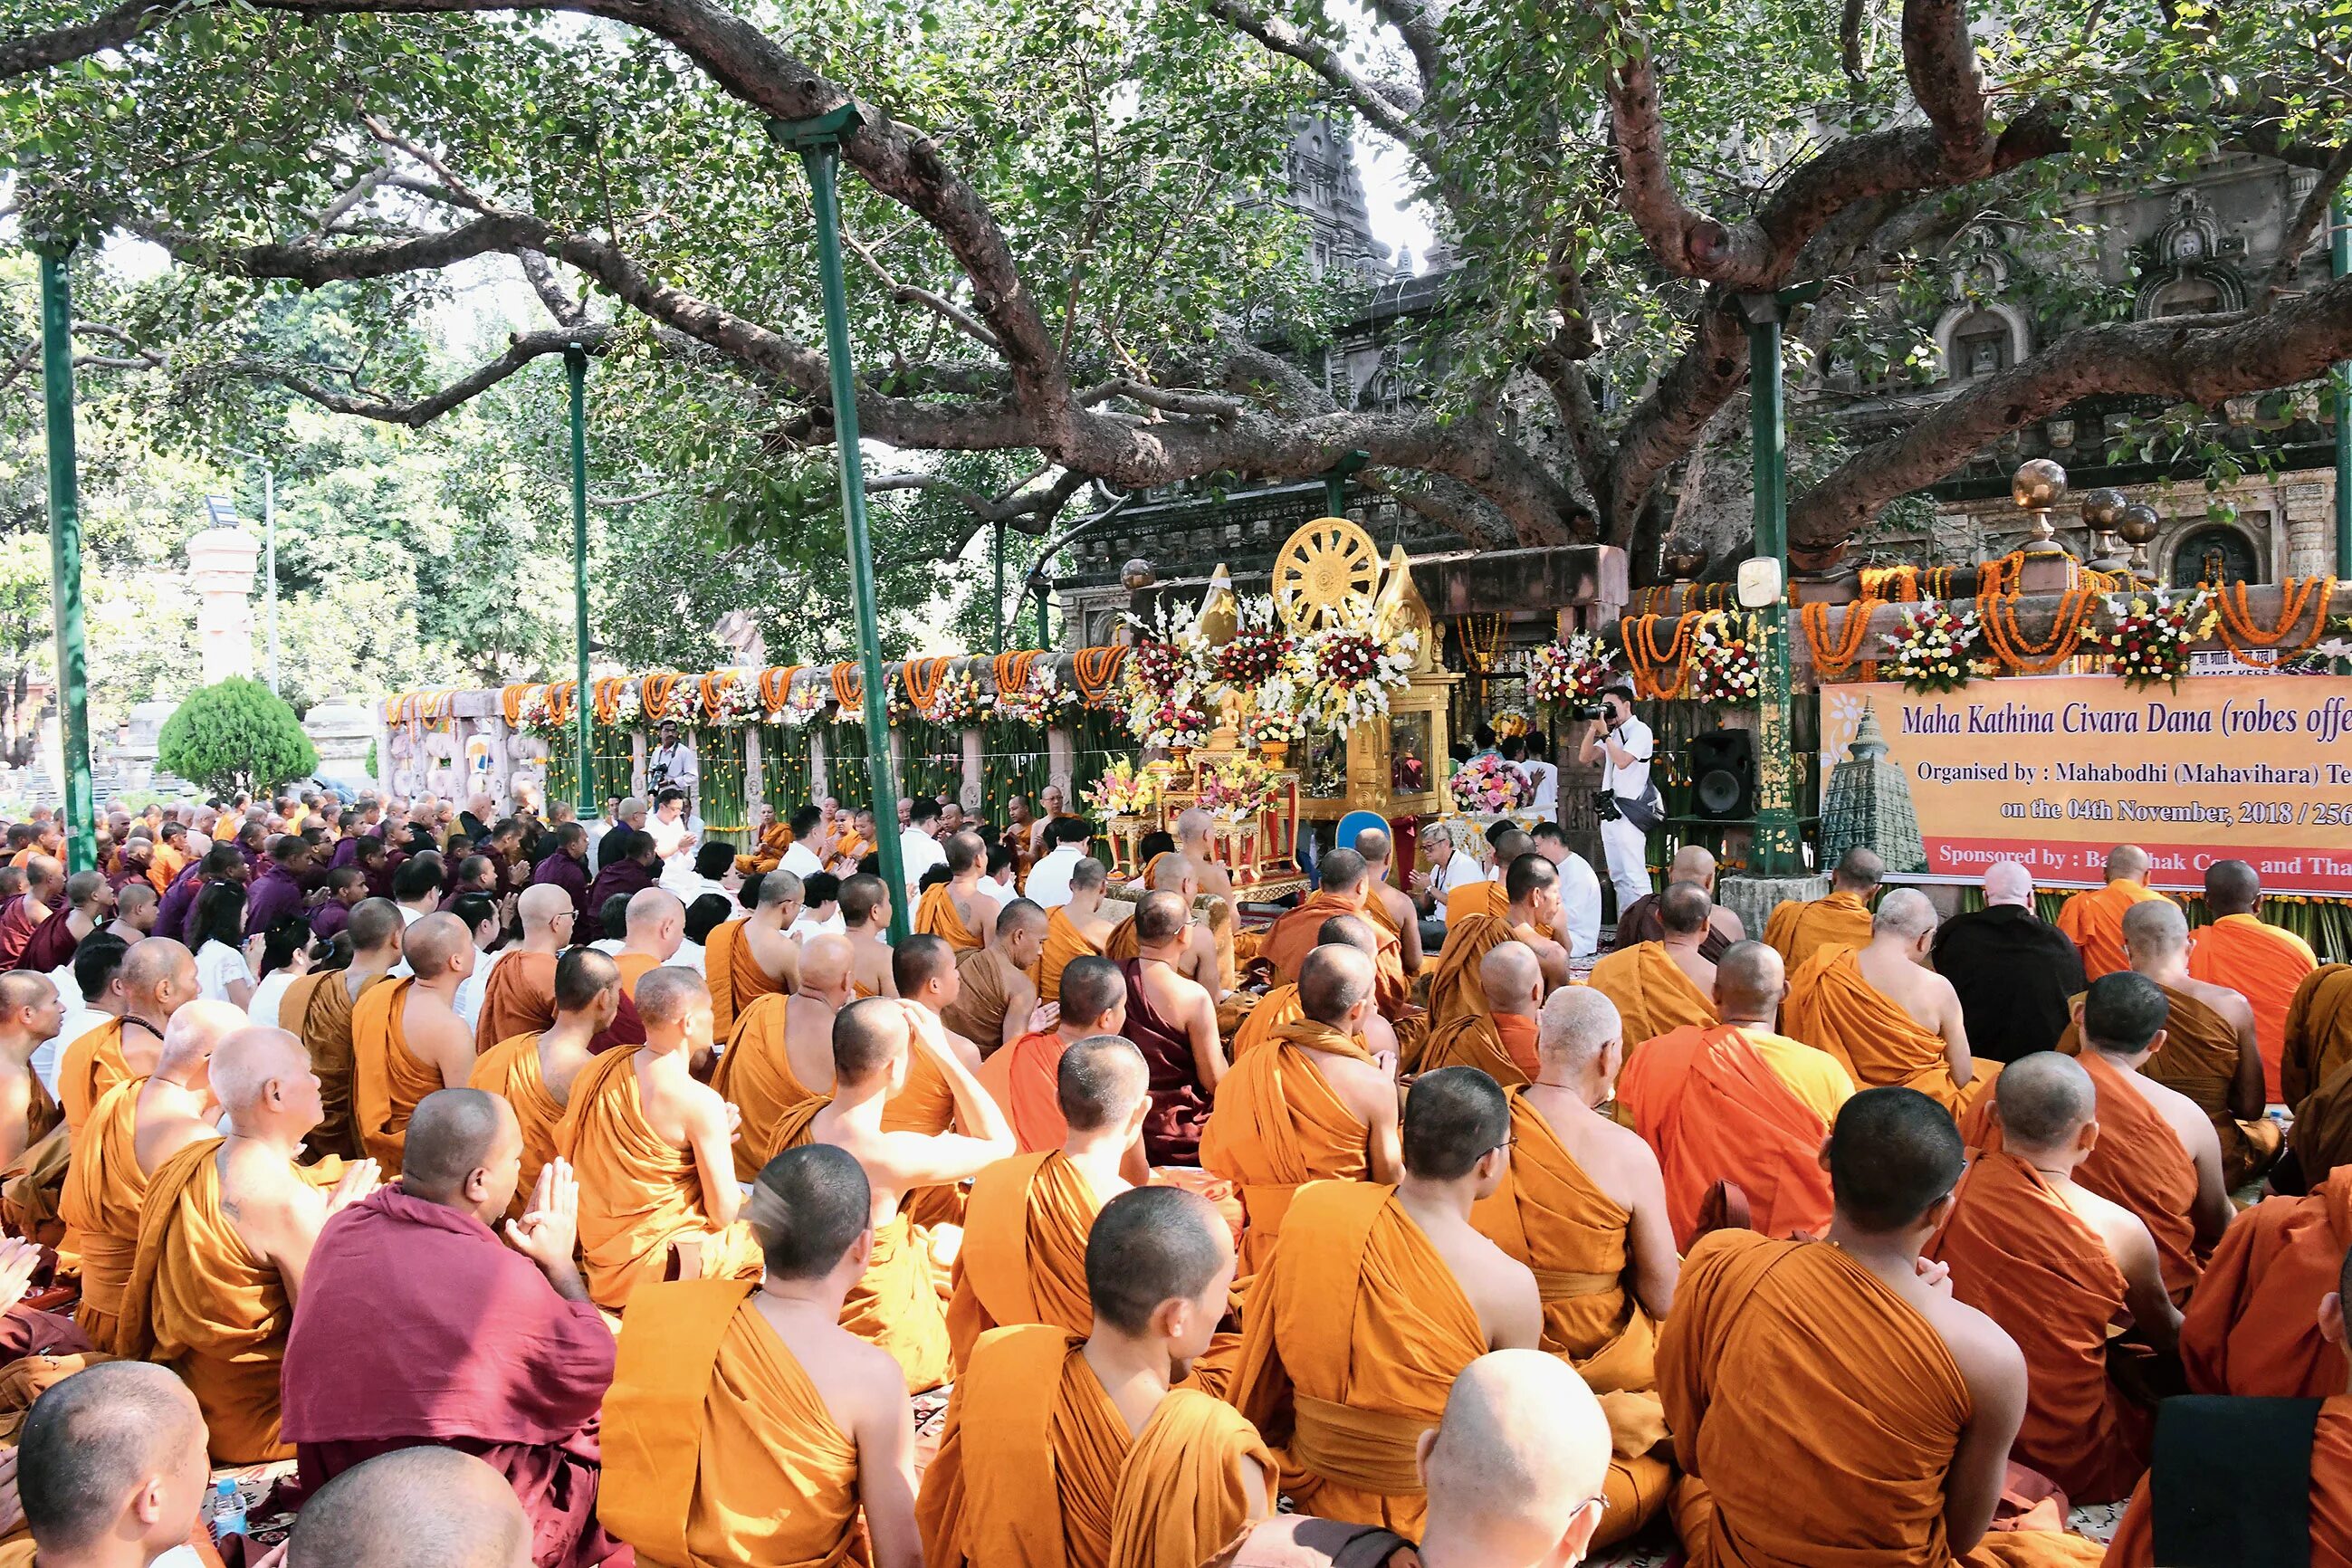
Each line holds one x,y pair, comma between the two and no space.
21,916
1664,985
1024,1255
224,1234
2056,1266
319,1006
110,1466
30,1013
744,960
1736,1110
139,1124
2264,963
2252,1328
744,1424
159,978
651,1148
1531,886
2095,919
1025,1077
408,1038
1785,1360
1501,1042
2157,1154
1198,957
1797,931
2210,1052
781,1051
533,1073
1584,1207
996,1003
1078,929
1640,923
518,998
865,921
1886,1017
1174,1022
956,911
2316,1039
1345,882
1040,1426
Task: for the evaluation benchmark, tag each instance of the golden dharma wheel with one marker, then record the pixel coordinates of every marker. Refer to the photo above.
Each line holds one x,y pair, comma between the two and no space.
1328,568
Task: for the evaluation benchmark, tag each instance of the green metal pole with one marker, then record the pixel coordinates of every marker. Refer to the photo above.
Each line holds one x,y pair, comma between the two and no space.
2339,262
64,560
996,612
1776,845
818,141
576,366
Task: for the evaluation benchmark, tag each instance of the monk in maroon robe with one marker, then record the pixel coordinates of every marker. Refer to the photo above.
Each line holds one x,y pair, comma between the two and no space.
85,906
22,915
416,1324
1180,1105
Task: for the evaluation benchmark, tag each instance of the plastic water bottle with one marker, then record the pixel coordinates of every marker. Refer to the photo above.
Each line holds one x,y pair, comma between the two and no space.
229,1510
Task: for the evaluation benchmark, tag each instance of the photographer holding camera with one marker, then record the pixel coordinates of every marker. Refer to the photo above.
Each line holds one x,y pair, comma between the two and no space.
1627,802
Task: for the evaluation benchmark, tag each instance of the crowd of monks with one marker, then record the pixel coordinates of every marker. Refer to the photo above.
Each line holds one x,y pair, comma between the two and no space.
1084,1227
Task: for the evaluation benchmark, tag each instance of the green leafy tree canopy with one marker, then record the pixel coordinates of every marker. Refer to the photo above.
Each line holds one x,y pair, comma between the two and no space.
236,735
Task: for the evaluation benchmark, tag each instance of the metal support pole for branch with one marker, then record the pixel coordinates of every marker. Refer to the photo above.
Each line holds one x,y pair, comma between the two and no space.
2339,262
818,143
269,562
576,366
65,562
1775,852
996,609
1335,482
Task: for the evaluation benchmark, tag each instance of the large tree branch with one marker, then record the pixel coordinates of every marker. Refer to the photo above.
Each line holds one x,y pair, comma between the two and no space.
1665,424
1940,62
110,28
2306,224
2186,359
522,349
1030,510
1388,106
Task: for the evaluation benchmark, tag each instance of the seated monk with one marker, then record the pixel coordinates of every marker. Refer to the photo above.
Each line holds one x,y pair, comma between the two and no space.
1374,1300
924,970
1737,1107
110,1466
770,839
2316,1037
996,1000
320,1008
1345,881
2095,919
25,913
31,1014
1531,888
85,906
1500,1042
533,1073
2056,1266
1039,1428
1174,1022
1310,1105
408,1038
1025,1077
865,921
1888,1019
2210,1054
1797,931
2158,1155
518,1387
651,1149
1023,1260
744,960
518,997
746,1426
781,1051
1077,928
2264,963
1387,905
1197,957
224,1238
1639,922
1280,1005
368,1514
1196,842
159,978
2252,1328
1584,1207
655,925
1784,1361
956,911
1664,985
139,1124
896,1304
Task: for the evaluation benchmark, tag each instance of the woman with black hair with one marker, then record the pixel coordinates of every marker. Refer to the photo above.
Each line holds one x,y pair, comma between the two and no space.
225,959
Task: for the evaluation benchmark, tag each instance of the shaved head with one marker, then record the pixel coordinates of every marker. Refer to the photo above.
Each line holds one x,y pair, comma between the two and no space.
1453,1118
435,943
1342,871
2127,863
919,960
1527,873
1513,979
649,907
1091,988
1159,918
246,1061
194,1033
1173,875
1016,916
2044,1099
1858,870
1349,931
2231,888
581,976
1101,1081
1683,908
2153,928
1576,1026
965,852
777,887
1088,874
1373,845
84,886
666,995
154,963
2007,882
825,962
808,1208
1905,913
868,1036
2122,1012
453,1134
1150,1245
1332,981
1692,863
1521,1451
541,905
1749,978
22,990
1894,1155
93,1441
376,921
412,1507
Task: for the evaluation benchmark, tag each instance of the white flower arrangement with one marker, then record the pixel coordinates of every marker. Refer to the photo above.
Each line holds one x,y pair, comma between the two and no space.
1724,666
1569,671
2148,644
956,702
1274,714
804,700
1938,648
739,701
1349,673
1037,700
1167,676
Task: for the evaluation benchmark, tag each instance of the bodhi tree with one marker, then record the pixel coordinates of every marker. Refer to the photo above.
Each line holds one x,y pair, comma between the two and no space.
1067,254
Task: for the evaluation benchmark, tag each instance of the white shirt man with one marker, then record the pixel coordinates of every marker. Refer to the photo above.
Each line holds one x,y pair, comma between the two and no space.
670,764
1546,778
801,861
1049,879
919,851
1623,745
1580,891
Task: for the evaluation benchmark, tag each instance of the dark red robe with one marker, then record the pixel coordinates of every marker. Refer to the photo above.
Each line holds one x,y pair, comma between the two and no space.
51,944
1180,1106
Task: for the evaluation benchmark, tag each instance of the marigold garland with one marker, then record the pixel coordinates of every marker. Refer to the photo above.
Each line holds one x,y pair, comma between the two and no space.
1011,670
1646,660
1997,612
656,691
2296,594
1896,585
1096,669
848,686
776,686
921,679
510,701
563,699
1834,660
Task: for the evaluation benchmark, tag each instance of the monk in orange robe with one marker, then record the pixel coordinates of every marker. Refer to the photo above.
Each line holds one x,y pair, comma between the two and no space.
518,997
2056,1266
227,1228
1290,938
780,1053
771,839
1374,1299
996,993
319,1007
744,960
719,1445
1197,1476
2252,1328
1784,1361
1278,1006
1664,985
2261,963
2095,919
1797,930
1023,1257
1076,929
408,1038
1737,1111
1886,1017
1584,1207
2157,1154
534,1073
159,978
2317,1036
1501,1042
1484,897
2209,1054
656,924
956,911
1310,1105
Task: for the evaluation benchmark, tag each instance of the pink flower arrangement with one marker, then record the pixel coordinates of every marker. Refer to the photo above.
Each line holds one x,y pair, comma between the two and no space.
1489,785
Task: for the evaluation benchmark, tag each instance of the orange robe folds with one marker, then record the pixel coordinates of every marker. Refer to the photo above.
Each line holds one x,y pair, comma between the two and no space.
718,1449
1355,1333
511,1070
2134,1545
1181,1498
1485,897
387,1078
2252,1328
2316,1037
756,1077
1024,1079
638,1194
936,915
1653,995
1816,1413
2200,1058
2094,921
518,998
767,854
1290,938
1278,1124
1502,1046
2263,964
982,997
733,972
1277,1007
1833,1007
2026,1260
1456,989
101,1205
1549,1215
319,1007
634,967
1063,941
1726,1103
91,1065
1029,1463
1798,930
1024,1259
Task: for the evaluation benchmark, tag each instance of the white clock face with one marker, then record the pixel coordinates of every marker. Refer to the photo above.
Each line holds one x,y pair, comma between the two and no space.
1759,583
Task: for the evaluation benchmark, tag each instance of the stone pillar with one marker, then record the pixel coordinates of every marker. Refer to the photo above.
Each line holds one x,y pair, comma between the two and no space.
147,721
820,765
1753,898
974,771
1061,763
342,728
755,772
220,571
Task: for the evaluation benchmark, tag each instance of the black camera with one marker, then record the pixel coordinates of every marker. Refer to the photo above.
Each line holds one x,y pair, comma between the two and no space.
1604,805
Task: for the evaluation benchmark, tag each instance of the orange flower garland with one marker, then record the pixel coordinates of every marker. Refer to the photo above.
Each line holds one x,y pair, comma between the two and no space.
848,686
2296,594
655,694
922,677
510,703
1835,660
1096,669
1011,670
560,700
775,685
1997,611
1647,661
605,700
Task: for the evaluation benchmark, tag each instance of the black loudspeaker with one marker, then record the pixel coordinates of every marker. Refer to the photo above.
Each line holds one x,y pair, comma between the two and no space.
1723,774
